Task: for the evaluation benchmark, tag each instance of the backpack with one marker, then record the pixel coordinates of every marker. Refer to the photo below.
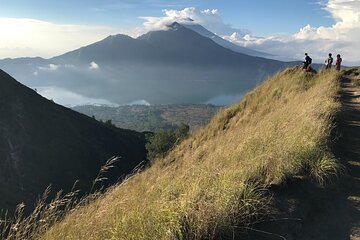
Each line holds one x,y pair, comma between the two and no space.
310,60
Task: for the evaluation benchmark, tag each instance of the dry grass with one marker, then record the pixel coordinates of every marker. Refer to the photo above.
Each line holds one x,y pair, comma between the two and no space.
41,219
215,181
50,210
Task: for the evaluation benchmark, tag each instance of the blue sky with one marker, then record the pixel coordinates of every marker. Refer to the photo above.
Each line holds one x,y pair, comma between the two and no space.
286,28
260,16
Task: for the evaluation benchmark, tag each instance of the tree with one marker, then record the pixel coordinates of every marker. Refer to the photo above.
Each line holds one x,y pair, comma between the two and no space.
161,142
182,132
109,123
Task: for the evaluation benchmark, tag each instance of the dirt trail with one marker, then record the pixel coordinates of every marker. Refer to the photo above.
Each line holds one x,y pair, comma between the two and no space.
333,212
338,217
348,152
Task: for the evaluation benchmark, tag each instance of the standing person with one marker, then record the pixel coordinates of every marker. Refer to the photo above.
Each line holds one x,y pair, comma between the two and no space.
338,62
307,63
329,61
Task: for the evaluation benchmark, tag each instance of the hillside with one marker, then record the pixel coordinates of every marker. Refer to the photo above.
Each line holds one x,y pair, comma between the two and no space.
152,118
217,183
42,143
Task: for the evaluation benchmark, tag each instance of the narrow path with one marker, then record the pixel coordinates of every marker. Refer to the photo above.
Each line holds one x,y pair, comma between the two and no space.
348,151
333,212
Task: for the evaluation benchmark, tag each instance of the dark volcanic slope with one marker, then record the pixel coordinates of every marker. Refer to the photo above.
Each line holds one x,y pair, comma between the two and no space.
42,143
178,46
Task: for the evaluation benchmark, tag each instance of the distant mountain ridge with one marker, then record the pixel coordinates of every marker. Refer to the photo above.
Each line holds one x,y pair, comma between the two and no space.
173,66
179,45
42,144
122,47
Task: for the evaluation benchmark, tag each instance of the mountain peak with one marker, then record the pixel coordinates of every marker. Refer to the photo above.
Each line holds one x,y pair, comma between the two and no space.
174,26
118,37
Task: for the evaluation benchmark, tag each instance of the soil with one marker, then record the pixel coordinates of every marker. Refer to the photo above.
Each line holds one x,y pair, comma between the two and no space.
348,152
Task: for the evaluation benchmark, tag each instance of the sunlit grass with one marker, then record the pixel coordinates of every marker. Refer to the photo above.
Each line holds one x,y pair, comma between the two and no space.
215,180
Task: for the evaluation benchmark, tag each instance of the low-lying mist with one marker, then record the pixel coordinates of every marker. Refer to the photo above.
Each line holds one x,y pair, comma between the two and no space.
126,83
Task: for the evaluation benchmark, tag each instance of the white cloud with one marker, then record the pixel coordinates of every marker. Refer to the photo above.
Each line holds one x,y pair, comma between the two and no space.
50,67
342,37
318,41
93,66
23,37
140,102
209,18
68,98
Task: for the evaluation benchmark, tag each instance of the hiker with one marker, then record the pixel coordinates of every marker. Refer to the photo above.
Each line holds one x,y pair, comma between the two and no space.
307,63
329,61
338,62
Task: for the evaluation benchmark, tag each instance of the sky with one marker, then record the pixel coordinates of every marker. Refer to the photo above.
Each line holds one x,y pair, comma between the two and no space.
286,28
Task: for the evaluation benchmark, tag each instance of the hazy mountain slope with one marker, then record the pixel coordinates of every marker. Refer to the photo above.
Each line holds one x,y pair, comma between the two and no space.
174,66
42,143
216,183
111,49
224,43
187,46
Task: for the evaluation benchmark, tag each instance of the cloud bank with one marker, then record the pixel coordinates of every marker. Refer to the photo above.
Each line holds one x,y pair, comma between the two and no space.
342,37
68,98
209,18
22,37
50,67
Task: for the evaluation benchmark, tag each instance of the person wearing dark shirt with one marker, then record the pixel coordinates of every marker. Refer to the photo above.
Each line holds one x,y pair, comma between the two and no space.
307,63
338,62
329,61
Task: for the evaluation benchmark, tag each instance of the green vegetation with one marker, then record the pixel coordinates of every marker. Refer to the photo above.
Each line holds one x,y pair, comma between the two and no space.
354,75
215,181
152,118
352,72
161,142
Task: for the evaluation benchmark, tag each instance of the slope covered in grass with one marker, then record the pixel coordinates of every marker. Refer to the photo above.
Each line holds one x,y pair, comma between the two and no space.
216,180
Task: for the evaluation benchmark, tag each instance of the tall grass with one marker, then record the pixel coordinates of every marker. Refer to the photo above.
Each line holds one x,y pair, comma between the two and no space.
44,215
216,180
49,210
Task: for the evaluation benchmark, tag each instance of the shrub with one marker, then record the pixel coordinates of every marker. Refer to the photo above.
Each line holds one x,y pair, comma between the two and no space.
160,143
